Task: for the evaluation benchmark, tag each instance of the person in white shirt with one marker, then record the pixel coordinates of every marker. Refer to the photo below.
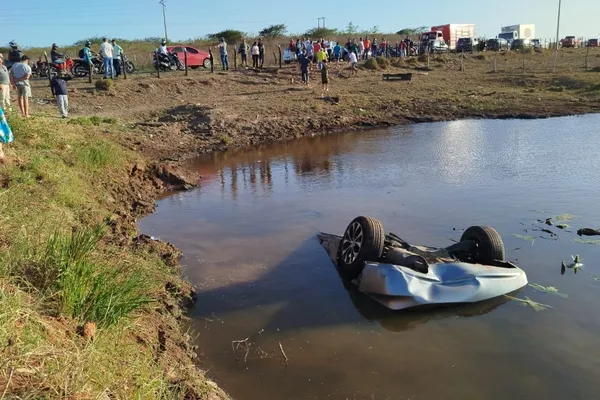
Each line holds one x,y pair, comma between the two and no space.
255,54
163,48
106,51
353,62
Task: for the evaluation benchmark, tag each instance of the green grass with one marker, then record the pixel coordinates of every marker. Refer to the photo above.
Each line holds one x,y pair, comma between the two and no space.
104,84
371,64
59,269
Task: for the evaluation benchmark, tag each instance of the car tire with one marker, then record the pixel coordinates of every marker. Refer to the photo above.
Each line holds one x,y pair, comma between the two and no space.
362,241
490,247
206,63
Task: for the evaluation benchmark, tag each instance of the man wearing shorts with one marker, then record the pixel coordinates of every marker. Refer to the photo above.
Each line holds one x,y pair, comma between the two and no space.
20,74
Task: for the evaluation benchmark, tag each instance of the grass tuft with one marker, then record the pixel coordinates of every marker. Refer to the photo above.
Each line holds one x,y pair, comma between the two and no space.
104,84
98,155
371,64
382,62
94,293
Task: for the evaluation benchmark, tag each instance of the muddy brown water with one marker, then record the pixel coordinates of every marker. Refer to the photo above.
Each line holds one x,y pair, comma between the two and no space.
249,237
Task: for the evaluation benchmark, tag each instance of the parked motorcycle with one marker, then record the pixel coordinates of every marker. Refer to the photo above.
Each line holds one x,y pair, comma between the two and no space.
169,62
81,68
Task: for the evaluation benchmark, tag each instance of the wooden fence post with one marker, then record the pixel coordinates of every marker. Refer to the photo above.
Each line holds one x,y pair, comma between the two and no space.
212,60
275,56
123,65
524,52
49,74
462,65
185,60
427,60
587,53
495,69
234,58
279,47
157,64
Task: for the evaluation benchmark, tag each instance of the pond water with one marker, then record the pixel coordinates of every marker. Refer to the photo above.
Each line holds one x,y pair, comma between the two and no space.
263,279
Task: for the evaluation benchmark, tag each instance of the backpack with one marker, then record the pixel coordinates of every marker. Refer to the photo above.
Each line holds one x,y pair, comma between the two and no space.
81,53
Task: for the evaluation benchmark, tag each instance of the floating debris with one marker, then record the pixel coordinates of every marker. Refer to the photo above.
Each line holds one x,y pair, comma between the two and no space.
549,221
564,217
595,242
588,232
562,226
575,265
548,289
528,302
525,237
541,211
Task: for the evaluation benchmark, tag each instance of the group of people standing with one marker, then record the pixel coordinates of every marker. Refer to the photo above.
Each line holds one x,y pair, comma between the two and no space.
256,51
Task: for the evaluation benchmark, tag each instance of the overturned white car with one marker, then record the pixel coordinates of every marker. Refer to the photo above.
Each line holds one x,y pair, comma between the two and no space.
399,275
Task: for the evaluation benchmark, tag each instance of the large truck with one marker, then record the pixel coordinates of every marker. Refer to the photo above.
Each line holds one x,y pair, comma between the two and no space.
452,32
521,31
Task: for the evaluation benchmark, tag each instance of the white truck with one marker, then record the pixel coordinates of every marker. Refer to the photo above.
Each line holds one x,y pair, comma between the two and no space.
521,31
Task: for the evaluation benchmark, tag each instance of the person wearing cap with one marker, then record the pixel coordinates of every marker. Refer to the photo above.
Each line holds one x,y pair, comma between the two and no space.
55,56
4,85
59,85
117,50
107,51
20,74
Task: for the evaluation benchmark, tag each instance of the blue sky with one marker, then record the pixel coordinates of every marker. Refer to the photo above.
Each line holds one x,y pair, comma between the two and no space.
39,23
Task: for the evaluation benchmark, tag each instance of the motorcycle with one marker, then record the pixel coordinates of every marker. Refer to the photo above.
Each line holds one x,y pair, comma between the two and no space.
81,68
168,62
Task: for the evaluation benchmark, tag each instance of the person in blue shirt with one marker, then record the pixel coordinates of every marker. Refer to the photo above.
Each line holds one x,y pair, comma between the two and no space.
337,54
117,51
87,54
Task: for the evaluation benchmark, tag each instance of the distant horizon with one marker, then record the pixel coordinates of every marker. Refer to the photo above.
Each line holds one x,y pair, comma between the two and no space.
64,23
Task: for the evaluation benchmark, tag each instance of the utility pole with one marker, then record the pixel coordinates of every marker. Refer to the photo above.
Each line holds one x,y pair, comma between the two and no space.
319,22
557,36
323,18
164,7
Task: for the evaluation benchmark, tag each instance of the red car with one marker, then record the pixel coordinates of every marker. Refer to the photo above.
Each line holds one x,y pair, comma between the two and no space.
195,58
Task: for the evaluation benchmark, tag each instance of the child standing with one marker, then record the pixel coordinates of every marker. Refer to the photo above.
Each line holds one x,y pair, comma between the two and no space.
59,85
325,76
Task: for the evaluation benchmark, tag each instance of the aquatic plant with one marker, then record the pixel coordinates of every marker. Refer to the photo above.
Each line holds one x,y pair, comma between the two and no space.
564,217
528,302
548,289
525,237
595,242
575,265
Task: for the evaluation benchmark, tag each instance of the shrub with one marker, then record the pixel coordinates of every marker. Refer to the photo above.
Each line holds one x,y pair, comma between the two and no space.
94,293
413,61
104,84
382,62
371,64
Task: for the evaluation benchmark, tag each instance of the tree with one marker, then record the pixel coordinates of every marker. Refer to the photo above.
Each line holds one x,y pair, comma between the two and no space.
351,28
320,33
230,35
412,31
273,31
375,29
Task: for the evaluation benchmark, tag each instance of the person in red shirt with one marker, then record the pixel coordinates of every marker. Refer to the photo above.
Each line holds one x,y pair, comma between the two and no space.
317,47
367,44
403,49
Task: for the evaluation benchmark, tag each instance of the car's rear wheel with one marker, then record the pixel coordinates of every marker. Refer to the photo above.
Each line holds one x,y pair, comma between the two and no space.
489,245
206,63
362,241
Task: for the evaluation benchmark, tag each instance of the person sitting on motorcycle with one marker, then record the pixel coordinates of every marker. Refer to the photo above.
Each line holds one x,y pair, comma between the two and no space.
87,54
163,53
57,58
14,55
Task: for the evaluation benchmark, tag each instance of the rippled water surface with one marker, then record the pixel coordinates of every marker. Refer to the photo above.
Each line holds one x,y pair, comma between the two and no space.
249,237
